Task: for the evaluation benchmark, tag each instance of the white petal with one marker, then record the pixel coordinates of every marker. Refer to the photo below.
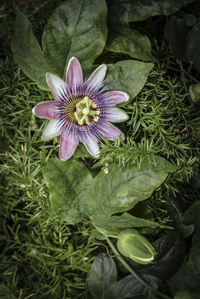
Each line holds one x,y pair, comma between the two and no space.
116,115
92,146
51,130
55,84
97,77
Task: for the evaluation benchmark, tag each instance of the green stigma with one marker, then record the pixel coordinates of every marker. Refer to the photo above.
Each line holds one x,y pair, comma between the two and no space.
85,110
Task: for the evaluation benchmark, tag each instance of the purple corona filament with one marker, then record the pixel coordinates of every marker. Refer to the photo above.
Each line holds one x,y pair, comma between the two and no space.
82,110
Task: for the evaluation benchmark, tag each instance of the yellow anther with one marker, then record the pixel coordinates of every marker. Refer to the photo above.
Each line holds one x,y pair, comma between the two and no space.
85,111
96,118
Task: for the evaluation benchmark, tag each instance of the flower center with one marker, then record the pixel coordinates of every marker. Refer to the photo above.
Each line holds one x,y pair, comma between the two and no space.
85,110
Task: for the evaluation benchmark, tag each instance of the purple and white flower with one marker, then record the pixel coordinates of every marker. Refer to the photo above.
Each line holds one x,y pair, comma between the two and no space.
82,110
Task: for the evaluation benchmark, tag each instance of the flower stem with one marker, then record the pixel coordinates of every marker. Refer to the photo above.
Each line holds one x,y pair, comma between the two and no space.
132,271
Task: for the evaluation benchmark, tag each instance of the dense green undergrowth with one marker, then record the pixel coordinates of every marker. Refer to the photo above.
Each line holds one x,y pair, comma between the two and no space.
41,255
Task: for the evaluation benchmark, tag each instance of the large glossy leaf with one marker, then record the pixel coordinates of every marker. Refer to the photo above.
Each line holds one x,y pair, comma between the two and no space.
188,276
77,195
63,180
112,225
130,287
26,50
128,75
176,32
129,41
103,274
103,282
191,215
123,188
138,10
170,250
194,8
76,28
193,45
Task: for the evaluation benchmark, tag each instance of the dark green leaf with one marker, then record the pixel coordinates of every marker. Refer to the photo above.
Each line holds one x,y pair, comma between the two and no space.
26,50
99,236
138,10
128,41
77,195
188,276
170,250
187,230
194,8
76,28
194,91
186,295
63,180
130,287
128,75
176,32
193,45
191,217
103,273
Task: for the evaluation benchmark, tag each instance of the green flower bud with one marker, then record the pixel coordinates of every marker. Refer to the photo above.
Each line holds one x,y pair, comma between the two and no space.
135,246
194,91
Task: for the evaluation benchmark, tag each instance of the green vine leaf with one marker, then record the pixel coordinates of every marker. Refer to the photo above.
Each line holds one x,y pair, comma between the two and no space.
129,287
103,274
77,195
26,50
63,180
128,75
111,226
176,32
188,275
123,188
123,39
103,282
76,28
138,10
193,43
170,248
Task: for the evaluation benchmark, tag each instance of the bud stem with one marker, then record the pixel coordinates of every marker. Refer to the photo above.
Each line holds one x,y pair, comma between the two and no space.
133,272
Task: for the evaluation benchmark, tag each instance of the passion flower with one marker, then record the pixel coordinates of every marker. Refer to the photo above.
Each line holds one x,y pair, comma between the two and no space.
82,110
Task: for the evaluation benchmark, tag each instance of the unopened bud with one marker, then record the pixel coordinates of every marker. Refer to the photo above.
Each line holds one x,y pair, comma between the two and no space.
135,246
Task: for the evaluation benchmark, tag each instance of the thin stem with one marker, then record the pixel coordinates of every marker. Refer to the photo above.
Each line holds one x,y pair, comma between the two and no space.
133,272
183,76
127,265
